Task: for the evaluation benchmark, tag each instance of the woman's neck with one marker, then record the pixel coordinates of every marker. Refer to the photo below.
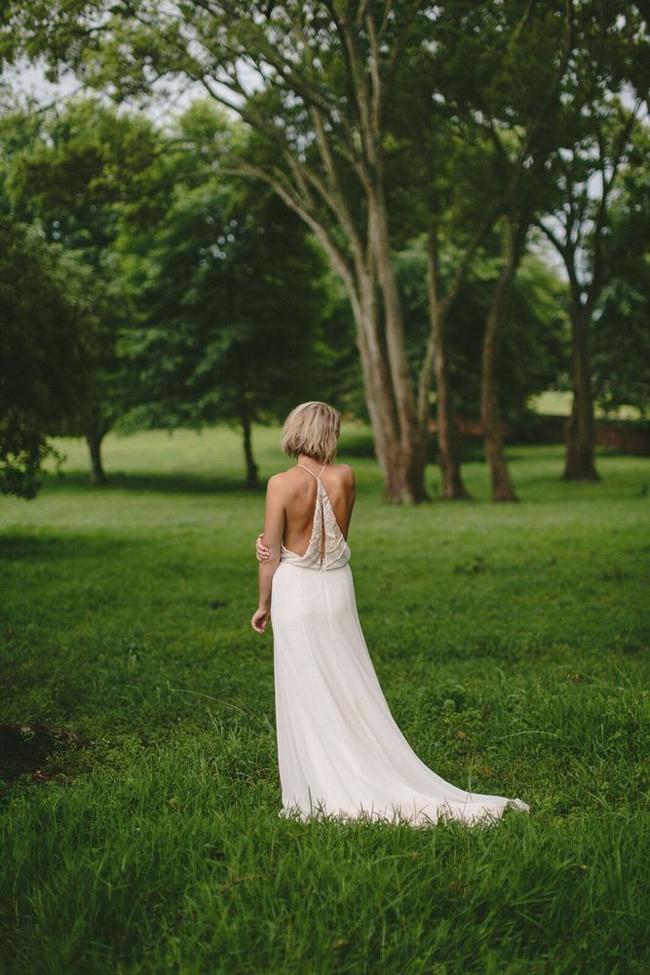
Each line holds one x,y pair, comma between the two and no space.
310,462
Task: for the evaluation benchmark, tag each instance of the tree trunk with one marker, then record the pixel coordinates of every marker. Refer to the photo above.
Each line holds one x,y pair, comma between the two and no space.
453,486
407,485
378,395
94,441
502,487
580,464
436,360
360,281
251,467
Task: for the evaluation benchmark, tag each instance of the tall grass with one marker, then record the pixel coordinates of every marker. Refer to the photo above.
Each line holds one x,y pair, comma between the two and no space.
511,643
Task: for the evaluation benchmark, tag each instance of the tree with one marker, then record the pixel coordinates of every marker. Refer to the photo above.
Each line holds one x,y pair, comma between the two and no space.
511,90
40,339
534,351
620,333
601,103
230,291
578,228
434,190
77,179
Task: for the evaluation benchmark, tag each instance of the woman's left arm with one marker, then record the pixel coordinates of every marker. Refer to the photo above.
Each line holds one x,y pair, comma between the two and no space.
272,539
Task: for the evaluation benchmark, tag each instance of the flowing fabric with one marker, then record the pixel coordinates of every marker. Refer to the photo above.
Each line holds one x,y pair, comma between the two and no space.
340,752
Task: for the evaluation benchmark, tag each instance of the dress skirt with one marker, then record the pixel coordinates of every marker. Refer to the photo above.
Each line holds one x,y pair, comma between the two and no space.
340,752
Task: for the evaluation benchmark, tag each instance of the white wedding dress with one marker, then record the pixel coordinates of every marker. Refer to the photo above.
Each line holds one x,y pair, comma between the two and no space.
340,752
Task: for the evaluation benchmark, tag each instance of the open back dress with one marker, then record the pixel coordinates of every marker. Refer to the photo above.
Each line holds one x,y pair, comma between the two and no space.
340,752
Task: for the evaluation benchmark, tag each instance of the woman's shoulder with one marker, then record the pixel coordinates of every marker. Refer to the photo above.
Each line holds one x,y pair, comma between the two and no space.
344,470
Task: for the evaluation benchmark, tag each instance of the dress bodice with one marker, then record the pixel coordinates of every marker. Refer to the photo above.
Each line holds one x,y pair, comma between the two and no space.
336,552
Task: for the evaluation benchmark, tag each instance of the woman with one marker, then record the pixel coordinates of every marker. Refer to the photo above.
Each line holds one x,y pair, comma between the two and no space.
340,752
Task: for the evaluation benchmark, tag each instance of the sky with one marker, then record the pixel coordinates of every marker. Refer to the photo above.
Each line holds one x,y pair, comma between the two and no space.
28,80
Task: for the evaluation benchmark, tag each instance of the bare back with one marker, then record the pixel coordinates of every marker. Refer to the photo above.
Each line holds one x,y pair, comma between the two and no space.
300,489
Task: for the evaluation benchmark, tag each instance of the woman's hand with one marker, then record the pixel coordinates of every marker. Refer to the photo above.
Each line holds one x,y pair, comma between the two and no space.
260,619
261,551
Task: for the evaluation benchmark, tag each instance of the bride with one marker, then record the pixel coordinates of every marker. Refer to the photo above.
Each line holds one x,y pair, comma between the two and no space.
341,755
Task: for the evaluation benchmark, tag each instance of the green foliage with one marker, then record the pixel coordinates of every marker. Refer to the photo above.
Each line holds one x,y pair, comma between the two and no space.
535,347
40,350
80,178
621,338
232,296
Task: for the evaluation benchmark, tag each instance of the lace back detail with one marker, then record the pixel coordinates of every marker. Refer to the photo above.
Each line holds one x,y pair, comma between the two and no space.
334,553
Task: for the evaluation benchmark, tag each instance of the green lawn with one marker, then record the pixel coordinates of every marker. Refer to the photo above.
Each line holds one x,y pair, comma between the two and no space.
511,643
558,403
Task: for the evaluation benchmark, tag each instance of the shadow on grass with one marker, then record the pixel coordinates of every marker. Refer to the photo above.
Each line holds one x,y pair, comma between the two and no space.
25,748
144,482
157,483
17,546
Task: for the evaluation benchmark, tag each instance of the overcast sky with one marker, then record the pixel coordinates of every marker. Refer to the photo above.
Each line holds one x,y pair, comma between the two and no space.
28,80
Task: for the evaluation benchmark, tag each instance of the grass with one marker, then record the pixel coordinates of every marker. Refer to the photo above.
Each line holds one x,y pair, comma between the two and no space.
558,403
510,642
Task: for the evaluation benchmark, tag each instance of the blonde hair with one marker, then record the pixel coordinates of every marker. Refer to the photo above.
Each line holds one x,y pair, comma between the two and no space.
313,429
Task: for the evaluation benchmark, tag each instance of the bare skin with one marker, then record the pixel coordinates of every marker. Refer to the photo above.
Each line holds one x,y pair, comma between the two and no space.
288,520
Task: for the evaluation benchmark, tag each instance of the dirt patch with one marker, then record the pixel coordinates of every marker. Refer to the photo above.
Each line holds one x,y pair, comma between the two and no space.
25,750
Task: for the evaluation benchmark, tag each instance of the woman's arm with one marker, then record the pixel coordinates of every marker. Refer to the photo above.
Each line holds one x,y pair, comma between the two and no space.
272,538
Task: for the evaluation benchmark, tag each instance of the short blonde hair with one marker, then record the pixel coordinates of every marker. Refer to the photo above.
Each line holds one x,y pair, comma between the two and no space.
313,429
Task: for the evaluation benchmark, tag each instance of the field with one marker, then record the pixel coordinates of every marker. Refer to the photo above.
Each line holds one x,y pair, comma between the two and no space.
556,403
511,643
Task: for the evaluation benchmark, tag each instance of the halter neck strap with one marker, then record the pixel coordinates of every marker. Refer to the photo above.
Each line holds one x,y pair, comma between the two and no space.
317,476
